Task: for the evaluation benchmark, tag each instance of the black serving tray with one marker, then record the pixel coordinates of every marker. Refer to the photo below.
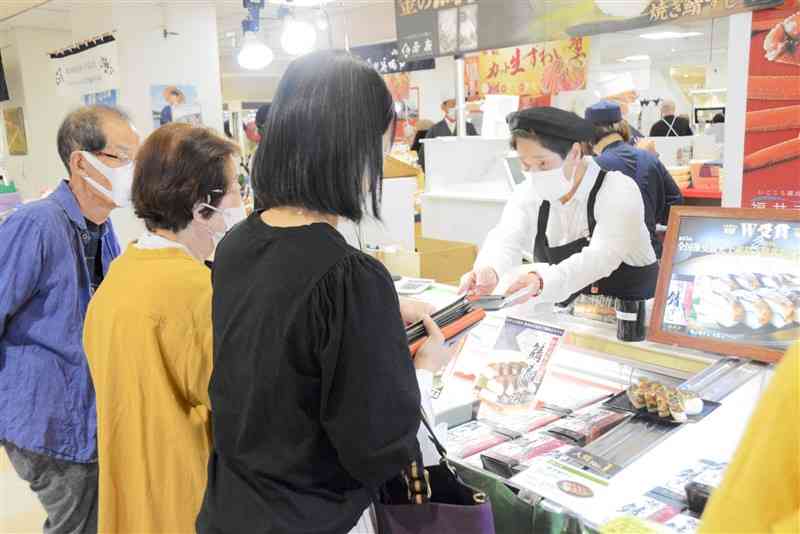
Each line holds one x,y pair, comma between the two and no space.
621,402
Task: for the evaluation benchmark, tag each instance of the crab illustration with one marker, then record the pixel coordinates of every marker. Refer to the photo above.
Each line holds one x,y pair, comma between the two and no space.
783,41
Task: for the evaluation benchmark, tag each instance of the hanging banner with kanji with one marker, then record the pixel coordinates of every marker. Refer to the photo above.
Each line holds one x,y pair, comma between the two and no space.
430,28
771,176
530,70
406,105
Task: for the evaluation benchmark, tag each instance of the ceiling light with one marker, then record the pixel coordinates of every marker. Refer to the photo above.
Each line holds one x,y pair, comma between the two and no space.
254,55
299,37
637,57
660,36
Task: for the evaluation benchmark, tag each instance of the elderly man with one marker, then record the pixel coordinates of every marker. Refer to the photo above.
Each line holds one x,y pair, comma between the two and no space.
447,127
670,124
55,254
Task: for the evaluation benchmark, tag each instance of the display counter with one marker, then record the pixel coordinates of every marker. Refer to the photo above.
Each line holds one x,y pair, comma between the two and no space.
565,461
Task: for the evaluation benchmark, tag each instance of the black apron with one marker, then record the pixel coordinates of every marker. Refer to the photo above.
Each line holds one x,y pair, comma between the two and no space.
626,282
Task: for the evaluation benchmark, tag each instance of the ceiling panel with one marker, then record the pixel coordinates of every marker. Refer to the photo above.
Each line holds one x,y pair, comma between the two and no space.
10,8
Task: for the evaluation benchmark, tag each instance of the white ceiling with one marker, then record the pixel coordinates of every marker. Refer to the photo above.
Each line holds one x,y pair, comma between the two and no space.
364,22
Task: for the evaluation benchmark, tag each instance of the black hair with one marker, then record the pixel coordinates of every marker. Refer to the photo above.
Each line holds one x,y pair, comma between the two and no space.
326,126
601,131
558,145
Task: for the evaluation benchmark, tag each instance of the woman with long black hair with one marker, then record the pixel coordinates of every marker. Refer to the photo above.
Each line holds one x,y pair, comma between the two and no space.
315,398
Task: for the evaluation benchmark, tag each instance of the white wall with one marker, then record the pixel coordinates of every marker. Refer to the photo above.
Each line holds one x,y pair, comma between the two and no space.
431,85
27,69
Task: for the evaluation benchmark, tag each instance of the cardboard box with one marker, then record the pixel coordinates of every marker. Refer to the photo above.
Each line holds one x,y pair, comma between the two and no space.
443,261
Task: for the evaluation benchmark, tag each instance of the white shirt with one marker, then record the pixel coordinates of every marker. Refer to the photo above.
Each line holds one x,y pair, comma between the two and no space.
620,235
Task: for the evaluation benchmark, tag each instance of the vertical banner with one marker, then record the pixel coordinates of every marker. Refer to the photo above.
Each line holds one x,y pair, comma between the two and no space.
406,103
772,139
87,68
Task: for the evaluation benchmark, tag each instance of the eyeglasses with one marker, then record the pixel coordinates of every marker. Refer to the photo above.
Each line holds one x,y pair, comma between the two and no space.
122,159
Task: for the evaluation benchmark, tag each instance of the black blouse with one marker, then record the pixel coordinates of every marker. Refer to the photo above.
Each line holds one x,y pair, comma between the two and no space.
315,399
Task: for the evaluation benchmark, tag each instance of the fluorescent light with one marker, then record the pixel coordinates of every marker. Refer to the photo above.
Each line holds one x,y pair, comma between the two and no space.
299,37
254,55
660,36
636,57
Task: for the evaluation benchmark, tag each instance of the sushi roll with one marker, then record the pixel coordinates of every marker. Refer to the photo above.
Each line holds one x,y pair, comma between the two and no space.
783,310
636,397
723,284
768,280
676,406
721,308
663,402
757,312
747,280
790,279
793,295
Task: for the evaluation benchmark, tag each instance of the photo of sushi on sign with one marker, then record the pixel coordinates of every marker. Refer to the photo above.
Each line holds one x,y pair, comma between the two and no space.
736,280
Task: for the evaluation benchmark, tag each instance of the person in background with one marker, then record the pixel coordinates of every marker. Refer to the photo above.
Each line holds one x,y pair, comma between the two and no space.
155,304
262,114
613,153
670,124
54,255
585,223
174,97
447,127
315,396
760,491
717,128
423,125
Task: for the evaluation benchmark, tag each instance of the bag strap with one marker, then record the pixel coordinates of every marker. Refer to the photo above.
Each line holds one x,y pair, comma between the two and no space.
432,435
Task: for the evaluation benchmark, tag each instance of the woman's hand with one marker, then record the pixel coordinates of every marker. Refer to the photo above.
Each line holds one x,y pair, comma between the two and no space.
412,310
479,282
433,355
531,283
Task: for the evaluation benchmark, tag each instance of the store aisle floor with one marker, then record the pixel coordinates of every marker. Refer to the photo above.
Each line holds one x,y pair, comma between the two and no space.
20,511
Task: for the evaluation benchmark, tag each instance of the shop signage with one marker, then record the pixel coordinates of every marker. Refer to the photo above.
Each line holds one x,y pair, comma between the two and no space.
385,58
429,28
530,70
730,282
86,68
771,176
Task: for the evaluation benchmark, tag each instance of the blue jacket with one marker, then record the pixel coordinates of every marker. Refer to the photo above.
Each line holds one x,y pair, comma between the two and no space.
659,190
47,402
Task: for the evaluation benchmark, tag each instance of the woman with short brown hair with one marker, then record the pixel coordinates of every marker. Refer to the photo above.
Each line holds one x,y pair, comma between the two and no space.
148,335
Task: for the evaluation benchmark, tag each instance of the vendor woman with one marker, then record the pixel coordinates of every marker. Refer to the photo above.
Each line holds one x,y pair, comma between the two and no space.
585,225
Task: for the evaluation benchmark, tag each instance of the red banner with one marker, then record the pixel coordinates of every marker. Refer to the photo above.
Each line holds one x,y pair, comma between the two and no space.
772,140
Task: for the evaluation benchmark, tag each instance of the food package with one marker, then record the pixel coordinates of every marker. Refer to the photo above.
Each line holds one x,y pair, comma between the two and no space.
471,438
587,425
522,422
511,457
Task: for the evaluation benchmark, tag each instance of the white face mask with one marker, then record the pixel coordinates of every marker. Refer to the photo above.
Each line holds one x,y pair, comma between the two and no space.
121,179
451,114
552,185
231,216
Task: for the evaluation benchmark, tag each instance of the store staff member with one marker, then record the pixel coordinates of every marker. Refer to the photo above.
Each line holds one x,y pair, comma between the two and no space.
586,223
447,127
670,124
613,153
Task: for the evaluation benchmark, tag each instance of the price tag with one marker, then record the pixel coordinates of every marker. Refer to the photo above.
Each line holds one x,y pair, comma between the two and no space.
595,464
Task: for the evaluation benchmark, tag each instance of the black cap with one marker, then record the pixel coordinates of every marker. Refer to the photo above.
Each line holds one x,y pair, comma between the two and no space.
553,122
261,115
